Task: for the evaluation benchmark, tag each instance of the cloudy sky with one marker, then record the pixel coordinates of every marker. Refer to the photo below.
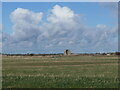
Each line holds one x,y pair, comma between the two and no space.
43,27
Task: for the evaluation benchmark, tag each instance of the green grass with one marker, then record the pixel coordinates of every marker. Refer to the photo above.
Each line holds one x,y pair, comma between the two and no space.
60,72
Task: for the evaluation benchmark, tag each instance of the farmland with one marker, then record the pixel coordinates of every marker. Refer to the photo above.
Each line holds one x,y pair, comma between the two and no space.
60,72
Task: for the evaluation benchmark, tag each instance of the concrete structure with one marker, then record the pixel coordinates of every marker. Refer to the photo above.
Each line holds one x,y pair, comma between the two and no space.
67,52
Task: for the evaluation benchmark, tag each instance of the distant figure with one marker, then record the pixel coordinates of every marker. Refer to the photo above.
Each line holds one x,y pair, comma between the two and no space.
67,52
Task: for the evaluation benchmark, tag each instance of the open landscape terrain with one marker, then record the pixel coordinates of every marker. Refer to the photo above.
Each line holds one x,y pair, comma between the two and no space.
60,71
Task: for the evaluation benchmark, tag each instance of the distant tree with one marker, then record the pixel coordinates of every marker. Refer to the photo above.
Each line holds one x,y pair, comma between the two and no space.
103,53
31,54
117,53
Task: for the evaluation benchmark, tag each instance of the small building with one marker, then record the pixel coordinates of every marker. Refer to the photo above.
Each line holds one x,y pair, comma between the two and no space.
67,52
108,54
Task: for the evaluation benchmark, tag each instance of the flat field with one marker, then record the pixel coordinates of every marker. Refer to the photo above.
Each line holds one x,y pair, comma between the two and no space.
60,72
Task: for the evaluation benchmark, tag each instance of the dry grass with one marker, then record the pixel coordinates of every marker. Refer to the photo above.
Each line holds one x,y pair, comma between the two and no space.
66,72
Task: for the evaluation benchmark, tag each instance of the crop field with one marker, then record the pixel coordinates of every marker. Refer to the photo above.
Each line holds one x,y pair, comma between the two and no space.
60,72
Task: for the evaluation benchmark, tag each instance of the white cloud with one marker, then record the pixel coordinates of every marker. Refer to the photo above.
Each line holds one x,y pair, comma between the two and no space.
61,14
23,16
25,23
63,30
101,26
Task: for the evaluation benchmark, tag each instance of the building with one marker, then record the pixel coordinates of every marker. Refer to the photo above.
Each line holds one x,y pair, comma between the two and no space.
67,52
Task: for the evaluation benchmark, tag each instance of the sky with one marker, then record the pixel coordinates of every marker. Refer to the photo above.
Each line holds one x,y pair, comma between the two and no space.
42,27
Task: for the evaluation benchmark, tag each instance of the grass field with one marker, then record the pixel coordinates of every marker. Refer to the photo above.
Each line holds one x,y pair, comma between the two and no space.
60,72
